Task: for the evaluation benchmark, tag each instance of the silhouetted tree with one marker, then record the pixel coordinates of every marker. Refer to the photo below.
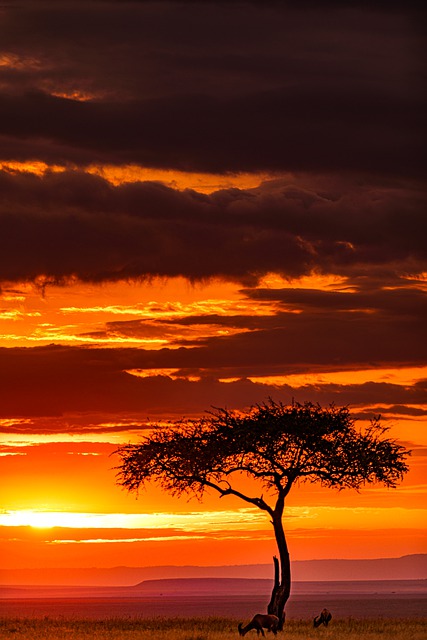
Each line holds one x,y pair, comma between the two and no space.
274,444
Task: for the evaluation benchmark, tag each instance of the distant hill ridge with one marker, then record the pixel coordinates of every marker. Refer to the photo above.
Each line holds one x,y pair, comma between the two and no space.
409,567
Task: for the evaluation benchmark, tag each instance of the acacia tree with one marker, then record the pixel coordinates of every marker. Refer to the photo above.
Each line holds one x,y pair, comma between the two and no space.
275,445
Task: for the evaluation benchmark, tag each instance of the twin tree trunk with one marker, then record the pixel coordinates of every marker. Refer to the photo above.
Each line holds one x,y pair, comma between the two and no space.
282,575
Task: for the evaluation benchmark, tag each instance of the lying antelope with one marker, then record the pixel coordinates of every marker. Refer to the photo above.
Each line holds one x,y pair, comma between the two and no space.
324,618
260,622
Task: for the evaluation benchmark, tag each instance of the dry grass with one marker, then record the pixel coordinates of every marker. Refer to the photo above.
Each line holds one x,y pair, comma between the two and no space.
204,629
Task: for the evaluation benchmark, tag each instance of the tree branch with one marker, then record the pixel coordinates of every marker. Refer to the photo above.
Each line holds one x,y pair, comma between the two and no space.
257,502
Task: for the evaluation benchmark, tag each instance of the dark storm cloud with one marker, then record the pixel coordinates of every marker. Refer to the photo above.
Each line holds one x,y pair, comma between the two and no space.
74,224
126,50
214,87
401,410
377,326
269,131
321,339
50,381
389,302
328,94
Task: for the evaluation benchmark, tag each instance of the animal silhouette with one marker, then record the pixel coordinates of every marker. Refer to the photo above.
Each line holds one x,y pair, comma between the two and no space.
260,622
324,618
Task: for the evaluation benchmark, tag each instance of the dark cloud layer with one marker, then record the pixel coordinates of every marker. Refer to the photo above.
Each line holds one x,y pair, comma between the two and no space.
215,87
55,380
325,97
309,327
74,224
271,131
330,92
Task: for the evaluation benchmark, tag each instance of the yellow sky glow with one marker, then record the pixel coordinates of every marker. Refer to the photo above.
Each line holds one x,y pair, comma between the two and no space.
35,317
240,519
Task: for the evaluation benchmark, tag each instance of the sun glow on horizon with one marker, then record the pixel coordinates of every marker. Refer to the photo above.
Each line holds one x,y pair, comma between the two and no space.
190,521
245,519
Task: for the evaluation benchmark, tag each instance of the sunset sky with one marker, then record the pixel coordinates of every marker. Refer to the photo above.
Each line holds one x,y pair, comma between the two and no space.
206,204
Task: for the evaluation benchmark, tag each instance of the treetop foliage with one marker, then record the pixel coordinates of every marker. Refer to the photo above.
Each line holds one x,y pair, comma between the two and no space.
272,443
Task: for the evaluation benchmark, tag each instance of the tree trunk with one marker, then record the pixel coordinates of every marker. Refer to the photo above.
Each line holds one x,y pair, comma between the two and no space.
282,575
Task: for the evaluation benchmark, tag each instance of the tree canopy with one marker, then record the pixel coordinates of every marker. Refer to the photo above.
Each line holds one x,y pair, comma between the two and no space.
272,443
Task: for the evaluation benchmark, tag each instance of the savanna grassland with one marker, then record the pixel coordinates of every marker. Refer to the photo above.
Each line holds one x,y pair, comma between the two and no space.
204,629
